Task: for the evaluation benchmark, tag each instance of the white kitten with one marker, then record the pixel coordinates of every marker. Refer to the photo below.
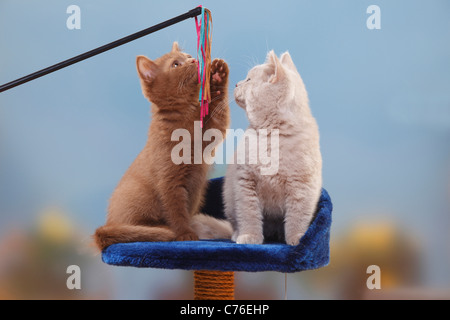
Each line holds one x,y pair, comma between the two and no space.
279,206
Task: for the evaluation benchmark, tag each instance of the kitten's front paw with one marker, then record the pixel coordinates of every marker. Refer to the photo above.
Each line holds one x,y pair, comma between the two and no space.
250,239
294,240
219,77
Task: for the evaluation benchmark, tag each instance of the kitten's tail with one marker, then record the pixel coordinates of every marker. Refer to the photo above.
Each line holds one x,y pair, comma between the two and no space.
111,234
207,227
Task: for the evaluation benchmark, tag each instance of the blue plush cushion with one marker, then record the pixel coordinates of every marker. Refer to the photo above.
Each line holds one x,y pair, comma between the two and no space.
312,252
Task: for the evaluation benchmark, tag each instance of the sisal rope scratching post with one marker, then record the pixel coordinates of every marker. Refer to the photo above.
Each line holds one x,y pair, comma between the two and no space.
213,285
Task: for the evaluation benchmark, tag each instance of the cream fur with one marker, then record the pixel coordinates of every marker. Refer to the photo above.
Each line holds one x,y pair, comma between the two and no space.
207,227
281,205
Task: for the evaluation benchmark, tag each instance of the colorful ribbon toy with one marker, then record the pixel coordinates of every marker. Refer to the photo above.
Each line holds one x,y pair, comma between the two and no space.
204,37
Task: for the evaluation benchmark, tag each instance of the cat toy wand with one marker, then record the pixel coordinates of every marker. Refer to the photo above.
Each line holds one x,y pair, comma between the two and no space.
190,14
208,284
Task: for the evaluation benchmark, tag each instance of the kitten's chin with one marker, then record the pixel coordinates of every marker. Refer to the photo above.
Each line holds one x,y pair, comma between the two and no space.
240,102
193,75
237,97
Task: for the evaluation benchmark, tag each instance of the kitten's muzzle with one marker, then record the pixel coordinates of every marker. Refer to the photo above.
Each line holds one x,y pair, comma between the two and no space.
237,97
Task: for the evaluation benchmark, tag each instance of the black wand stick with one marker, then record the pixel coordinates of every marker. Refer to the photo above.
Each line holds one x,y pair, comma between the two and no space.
192,13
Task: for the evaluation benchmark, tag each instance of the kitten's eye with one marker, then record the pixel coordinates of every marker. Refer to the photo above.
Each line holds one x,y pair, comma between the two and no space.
247,80
175,64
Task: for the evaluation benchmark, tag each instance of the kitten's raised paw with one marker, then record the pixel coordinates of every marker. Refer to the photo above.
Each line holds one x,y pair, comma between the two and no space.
187,236
219,76
249,239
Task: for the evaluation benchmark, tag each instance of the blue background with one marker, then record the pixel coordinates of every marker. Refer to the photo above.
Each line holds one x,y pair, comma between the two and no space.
381,99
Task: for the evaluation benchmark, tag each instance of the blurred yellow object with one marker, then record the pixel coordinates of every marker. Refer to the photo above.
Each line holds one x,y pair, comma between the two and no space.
389,280
391,247
54,226
374,237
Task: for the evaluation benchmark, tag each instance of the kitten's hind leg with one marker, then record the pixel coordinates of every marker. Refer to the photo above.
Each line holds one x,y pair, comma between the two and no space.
300,208
175,202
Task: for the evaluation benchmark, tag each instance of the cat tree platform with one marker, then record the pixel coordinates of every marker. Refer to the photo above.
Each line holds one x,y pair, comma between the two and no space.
220,258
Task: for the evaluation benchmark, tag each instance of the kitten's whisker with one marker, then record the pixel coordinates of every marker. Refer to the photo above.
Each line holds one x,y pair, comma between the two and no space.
218,110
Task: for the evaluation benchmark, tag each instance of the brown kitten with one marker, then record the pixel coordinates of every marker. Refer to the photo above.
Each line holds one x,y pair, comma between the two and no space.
156,199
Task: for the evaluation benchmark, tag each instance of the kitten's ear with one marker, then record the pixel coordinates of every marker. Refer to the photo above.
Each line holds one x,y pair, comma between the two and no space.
175,47
279,72
146,68
286,60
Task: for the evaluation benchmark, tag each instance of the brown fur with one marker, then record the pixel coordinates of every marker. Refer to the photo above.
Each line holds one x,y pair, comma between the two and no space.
156,199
